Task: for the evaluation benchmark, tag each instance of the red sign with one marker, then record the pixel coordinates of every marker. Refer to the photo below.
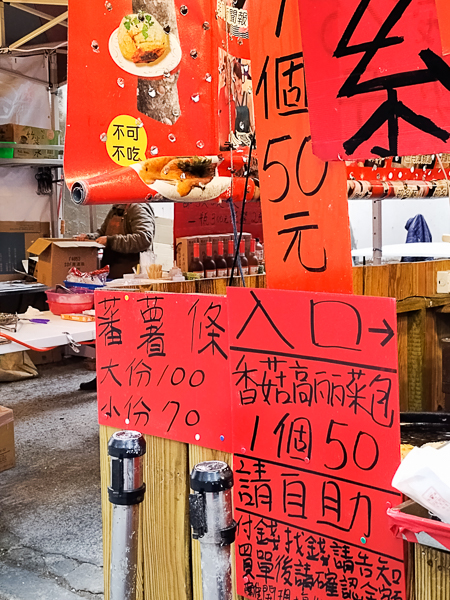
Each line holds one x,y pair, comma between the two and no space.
377,83
316,438
443,12
203,218
162,366
150,114
304,200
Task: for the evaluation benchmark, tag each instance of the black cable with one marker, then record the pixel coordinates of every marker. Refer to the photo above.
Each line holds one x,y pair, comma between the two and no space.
235,234
236,250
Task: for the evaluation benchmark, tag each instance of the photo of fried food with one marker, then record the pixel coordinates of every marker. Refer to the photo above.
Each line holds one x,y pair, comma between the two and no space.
185,173
141,39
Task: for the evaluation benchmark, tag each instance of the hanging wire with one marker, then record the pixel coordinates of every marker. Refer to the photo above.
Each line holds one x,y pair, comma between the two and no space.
230,136
236,253
237,239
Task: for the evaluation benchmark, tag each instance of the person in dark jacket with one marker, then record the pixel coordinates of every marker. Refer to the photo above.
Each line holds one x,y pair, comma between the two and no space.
127,230
418,231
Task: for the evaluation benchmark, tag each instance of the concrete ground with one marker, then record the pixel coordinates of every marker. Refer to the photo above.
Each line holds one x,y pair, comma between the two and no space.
50,512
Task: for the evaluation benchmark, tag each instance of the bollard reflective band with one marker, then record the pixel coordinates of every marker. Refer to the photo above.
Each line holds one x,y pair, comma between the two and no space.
197,514
211,476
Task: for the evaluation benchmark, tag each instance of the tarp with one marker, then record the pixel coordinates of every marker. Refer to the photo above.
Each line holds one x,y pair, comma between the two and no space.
24,102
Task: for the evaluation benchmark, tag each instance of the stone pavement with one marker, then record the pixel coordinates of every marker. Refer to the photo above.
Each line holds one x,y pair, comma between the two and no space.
50,512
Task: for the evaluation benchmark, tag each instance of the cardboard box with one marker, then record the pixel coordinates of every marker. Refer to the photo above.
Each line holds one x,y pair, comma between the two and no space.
57,256
15,238
45,358
23,134
185,252
7,454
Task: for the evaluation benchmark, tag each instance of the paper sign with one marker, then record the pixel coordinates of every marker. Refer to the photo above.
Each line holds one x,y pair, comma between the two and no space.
377,82
304,200
316,438
443,12
162,366
150,70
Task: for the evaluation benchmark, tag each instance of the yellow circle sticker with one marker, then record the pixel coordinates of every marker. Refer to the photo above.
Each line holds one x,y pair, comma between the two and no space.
126,140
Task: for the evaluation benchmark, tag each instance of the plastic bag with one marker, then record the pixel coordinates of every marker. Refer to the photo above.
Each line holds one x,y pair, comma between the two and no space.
16,366
98,277
149,268
424,476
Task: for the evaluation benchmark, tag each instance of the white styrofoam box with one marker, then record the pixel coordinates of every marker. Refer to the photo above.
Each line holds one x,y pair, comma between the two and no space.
164,255
164,231
443,282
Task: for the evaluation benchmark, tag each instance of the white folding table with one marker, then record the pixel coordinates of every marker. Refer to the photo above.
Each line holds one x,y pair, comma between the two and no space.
47,335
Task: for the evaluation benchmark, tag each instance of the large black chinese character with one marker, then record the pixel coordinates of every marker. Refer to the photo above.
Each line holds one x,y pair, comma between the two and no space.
110,371
108,322
153,337
259,306
392,109
297,237
215,330
118,131
290,85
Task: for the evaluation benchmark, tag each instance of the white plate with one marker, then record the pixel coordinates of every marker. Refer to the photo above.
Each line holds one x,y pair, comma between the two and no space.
212,190
153,70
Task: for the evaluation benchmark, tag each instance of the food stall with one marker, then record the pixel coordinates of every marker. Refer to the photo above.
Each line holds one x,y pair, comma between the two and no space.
313,436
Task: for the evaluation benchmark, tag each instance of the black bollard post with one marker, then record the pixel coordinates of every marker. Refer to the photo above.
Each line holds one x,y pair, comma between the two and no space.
127,490
212,523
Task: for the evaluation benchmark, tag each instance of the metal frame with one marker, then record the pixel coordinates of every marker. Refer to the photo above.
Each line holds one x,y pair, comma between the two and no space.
49,2
22,5
51,84
21,76
26,38
37,13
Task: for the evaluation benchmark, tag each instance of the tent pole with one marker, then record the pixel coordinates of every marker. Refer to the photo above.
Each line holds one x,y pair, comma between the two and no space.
377,231
52,67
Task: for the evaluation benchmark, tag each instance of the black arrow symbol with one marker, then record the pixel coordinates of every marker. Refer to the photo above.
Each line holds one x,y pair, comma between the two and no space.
387,330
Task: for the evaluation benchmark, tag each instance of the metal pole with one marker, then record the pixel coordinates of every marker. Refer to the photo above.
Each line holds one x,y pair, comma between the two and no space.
92,218
377,231
127,490
212,523
52,67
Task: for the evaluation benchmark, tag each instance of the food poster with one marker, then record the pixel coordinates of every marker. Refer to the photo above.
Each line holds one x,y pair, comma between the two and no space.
316,440
303,199
143,91
235,129
378,84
